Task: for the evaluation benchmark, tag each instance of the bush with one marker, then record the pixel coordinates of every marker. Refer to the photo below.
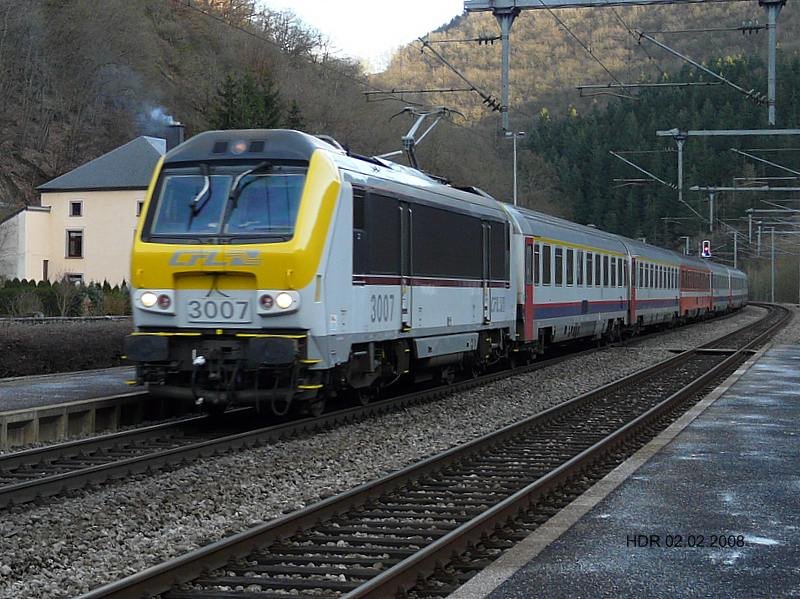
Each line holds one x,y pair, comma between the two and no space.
27,349
21,298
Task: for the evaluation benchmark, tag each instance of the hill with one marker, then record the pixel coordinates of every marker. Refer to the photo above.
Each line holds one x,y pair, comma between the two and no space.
548,57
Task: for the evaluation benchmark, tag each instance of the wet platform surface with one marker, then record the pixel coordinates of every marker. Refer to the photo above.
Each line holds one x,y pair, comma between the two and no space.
715,513
45,390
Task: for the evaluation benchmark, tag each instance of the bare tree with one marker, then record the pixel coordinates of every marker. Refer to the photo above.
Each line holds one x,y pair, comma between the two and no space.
66,293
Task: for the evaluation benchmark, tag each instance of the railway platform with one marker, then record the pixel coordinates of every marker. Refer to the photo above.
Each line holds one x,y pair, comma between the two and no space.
707,509
49,389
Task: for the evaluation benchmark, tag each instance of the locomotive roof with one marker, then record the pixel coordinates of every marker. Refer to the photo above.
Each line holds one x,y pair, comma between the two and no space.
259,144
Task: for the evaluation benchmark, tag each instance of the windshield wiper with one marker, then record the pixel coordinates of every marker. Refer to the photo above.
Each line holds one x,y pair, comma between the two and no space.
195,205
236,191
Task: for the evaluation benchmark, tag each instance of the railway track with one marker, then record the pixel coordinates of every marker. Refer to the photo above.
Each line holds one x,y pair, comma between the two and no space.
55,469
423,530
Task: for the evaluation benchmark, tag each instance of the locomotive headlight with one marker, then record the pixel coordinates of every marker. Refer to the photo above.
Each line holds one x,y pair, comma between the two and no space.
148,299
273,302
283,300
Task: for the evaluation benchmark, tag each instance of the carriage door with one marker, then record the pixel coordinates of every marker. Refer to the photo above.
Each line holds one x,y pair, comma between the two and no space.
531,266
632,282
487,260
406,289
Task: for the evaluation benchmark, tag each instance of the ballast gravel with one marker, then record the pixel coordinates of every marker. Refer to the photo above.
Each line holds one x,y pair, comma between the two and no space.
790,334
69,545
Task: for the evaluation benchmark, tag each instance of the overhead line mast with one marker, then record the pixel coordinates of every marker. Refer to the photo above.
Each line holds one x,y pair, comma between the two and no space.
506,11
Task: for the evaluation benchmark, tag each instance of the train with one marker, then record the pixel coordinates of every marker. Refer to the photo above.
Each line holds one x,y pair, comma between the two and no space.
276,269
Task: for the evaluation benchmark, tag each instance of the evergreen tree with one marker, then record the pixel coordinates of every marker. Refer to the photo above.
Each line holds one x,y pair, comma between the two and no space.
294,119
247,103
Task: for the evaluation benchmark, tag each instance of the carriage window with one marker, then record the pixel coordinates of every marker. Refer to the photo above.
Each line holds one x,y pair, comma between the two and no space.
537,263
619,272
598,272
589,279
579,269
547,271
559,266
613,272
605,271
570,267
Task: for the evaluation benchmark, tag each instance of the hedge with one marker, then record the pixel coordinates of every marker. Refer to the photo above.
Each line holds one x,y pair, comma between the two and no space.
44,348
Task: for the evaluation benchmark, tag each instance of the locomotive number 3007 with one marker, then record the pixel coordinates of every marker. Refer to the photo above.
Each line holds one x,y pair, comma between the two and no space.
213,310
381,308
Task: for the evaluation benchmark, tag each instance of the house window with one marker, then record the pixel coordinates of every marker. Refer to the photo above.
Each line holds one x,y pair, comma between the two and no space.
76,208
74,244
75,278
139,206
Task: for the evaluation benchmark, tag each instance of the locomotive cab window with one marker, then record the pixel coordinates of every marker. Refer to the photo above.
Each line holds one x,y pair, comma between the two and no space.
255,201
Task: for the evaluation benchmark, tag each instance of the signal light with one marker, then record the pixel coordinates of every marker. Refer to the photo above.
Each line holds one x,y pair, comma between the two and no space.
267,302
164,302
706,249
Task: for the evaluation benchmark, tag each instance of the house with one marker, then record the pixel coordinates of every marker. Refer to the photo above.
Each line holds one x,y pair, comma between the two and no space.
84,228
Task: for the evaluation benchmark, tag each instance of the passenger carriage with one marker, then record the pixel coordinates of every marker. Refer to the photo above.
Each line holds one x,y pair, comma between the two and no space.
575,278
655,293
696,295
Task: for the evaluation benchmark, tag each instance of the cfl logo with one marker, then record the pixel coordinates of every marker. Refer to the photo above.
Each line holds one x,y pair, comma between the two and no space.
215,258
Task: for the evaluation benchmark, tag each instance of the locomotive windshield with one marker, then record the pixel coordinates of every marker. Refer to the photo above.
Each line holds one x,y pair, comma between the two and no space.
228,203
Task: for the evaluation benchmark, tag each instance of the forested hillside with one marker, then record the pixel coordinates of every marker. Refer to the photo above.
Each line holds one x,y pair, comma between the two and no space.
548,57
78,78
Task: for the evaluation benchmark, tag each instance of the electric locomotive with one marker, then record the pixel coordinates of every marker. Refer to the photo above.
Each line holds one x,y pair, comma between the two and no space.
272,268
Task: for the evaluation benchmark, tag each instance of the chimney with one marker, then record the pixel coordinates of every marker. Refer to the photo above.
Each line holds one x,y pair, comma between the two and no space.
174,134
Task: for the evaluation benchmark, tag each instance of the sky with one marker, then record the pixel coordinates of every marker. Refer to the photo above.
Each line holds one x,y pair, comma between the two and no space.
370,29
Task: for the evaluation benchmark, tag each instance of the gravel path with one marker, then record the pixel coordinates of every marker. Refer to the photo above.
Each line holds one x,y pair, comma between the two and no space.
67,546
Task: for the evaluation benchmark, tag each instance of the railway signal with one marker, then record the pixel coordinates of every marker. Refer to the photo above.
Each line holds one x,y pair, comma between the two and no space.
706,251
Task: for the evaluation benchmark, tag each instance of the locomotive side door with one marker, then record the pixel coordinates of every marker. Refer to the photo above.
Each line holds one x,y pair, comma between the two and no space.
632,282
406,289
531,267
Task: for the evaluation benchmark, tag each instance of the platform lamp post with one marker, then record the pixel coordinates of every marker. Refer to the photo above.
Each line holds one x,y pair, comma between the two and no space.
514,135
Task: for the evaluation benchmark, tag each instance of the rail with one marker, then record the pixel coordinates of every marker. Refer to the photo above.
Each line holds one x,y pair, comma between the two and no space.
382,538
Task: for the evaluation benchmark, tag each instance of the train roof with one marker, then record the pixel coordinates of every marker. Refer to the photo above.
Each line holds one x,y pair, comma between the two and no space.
279,145
539,224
